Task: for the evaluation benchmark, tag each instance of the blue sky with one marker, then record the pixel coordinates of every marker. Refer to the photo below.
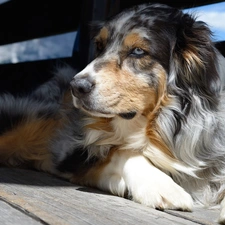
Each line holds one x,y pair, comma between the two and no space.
214,16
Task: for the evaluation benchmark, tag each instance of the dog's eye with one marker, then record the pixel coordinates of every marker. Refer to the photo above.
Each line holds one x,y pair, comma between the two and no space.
138,52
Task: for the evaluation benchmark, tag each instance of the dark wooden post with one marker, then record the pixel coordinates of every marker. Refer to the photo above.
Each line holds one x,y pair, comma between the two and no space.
92,10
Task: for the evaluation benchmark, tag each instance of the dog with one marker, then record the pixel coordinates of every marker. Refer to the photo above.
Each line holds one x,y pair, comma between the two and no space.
144,120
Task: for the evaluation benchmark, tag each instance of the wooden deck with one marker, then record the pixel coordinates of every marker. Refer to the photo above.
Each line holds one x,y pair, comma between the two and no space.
34,198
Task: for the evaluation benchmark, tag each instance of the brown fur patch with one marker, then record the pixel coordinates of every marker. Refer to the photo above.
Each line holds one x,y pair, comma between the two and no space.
192,59
152,129
156,140
91,176
27,142
101,38
191,55
100,124
192,63
134,40
161,96
131,93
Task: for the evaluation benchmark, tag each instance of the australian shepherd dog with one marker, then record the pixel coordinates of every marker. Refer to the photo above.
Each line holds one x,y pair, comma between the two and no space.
144,120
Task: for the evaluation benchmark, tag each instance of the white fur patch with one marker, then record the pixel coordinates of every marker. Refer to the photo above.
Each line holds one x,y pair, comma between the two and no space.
131,135
146,184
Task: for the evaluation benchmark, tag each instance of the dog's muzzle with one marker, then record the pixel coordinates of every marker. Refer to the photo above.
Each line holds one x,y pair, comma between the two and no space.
80,87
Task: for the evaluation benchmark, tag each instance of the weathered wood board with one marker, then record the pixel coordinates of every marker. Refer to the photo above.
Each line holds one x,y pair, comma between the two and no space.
30,197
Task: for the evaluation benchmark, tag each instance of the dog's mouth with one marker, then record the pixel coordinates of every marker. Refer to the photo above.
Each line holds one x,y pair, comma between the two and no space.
128,116
96,113
103,112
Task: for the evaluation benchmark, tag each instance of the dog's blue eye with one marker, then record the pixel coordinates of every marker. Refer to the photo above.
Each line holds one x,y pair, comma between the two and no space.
137,52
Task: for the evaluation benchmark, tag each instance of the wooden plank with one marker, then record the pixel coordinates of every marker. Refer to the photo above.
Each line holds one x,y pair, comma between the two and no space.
199,215
57,202
10,215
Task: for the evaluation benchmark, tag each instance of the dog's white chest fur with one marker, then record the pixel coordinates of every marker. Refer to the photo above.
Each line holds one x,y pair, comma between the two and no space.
127,134
130,135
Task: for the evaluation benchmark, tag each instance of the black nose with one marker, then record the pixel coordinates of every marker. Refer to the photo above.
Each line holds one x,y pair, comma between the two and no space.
81,86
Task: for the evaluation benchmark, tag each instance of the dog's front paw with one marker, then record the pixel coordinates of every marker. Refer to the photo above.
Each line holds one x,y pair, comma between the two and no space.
161,194
150,186
131,172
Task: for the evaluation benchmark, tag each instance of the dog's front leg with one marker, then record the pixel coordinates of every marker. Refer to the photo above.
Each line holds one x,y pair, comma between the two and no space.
126,172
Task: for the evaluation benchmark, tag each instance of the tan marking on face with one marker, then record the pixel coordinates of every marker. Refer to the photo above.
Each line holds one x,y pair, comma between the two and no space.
101,38
134,40
123,91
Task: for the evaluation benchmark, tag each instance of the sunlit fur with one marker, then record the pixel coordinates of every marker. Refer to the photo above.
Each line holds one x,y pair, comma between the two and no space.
145,119
159,65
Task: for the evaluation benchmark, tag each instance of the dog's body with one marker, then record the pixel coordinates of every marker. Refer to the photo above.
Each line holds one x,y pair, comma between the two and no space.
151,124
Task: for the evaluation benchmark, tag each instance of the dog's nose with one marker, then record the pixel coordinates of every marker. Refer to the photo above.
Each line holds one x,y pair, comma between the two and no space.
81,86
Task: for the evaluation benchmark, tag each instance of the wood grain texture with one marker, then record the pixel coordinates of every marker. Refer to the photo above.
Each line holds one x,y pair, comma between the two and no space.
10,215
49,200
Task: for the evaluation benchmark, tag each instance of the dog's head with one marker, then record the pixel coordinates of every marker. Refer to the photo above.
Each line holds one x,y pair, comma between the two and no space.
144,55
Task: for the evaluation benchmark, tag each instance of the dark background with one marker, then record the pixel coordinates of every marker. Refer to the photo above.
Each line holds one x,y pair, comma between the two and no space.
22,20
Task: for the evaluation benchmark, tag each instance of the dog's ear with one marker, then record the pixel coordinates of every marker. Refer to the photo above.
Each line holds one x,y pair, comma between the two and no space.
196,58
95,27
